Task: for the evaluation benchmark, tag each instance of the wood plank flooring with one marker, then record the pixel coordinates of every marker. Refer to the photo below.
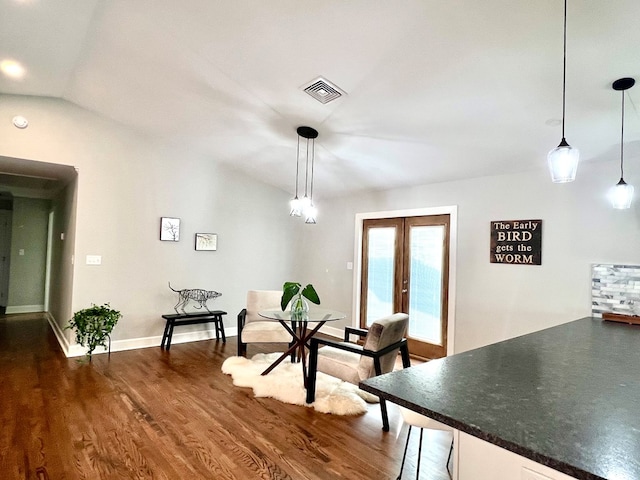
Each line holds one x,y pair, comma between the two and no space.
151,414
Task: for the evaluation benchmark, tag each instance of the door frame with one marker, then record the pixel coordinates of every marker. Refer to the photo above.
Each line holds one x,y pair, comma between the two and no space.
452,211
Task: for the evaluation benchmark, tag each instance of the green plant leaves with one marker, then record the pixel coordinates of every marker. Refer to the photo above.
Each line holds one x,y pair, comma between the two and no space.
291,289
93,325
310,294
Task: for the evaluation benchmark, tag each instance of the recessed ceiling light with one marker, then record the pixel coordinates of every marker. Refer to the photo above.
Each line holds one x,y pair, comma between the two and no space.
20,122
12,69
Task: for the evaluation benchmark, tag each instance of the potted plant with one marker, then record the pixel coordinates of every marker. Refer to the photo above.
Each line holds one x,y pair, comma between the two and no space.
93,326
294,293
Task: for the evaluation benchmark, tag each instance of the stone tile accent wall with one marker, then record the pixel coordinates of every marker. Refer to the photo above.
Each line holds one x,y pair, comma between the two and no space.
616,289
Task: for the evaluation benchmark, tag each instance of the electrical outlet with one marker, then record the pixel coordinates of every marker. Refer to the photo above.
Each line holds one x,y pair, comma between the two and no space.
94,259
531,475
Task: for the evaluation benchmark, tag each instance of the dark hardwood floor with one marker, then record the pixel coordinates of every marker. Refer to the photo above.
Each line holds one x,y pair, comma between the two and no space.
151,414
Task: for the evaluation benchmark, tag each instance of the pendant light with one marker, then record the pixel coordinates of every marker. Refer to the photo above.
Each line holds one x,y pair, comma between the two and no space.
622,193
563,160
311,211
304,206
296,204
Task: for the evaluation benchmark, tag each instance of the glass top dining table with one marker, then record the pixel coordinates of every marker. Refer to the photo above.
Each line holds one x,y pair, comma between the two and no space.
301,328
313,315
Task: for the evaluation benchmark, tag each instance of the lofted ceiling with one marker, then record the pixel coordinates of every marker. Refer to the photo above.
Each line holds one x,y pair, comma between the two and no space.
435,91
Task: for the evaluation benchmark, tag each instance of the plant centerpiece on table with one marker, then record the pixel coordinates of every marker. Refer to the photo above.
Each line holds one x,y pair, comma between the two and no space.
93,326
294,293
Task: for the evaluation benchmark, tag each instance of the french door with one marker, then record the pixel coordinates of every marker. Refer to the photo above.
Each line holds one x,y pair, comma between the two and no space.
405,268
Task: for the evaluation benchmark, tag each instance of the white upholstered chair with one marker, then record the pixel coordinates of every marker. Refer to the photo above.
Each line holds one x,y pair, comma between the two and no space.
354,363
414,419
252,328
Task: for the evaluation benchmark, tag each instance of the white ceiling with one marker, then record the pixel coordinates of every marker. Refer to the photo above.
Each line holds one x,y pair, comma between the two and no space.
436,90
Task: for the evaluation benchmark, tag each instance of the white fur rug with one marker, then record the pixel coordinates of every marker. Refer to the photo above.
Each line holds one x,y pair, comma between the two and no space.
284,383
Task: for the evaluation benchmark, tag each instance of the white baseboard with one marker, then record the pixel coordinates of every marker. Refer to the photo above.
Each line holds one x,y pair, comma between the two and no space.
62,340
332,331
24,309
75,350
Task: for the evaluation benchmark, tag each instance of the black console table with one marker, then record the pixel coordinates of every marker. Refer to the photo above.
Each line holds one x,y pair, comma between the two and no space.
176,319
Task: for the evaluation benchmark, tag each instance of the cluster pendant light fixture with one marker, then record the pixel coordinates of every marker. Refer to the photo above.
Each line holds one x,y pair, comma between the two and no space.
304,206
563,160
622,193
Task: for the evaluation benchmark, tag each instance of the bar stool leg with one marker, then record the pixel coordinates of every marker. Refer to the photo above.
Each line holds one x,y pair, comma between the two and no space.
419,454
449,458
404,456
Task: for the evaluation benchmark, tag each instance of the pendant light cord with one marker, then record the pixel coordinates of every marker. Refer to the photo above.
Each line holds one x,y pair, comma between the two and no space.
306,172
564,66
622,140
313,156
297,165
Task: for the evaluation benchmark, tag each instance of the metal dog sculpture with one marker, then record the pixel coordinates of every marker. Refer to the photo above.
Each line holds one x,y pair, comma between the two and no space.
198,295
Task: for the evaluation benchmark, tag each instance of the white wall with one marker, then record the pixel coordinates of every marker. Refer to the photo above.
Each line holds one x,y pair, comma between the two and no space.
495,302
63,234
126,182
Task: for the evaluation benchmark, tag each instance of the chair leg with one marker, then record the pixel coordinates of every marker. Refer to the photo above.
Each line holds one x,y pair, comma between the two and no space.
242,349
419,454
404,456
449,458
313,371
385,416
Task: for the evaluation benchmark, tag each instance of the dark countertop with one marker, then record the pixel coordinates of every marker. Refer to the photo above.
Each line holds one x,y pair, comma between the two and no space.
567,397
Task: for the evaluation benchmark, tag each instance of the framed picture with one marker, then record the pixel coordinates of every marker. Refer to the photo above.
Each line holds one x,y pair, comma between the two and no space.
206,241
169,229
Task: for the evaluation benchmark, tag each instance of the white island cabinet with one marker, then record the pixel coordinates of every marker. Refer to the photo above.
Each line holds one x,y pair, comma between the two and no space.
480,460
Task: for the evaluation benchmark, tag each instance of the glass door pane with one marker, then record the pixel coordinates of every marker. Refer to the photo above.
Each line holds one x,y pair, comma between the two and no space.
426,276
425,283
380,258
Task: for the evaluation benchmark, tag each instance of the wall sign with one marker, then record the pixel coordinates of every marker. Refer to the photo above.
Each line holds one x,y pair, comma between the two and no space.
516,242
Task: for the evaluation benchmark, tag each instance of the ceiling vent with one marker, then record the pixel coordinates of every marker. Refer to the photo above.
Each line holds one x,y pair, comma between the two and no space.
323,90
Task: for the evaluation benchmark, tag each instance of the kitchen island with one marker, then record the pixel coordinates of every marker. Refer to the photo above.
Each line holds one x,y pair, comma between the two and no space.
567,398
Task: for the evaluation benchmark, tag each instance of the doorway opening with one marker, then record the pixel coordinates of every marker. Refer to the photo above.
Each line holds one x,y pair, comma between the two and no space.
32,277
406,264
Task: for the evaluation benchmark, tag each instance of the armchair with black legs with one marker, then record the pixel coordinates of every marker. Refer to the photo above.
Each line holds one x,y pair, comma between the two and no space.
354,363
252,328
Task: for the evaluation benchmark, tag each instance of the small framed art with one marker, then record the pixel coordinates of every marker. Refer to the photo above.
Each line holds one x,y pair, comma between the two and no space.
206,241
169,229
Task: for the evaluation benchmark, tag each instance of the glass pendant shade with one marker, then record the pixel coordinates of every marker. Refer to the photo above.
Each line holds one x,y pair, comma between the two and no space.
563,162
305,203
311,212
296,207
621,195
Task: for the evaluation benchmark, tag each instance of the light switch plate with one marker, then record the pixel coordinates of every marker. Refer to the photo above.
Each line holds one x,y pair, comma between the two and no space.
94,259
